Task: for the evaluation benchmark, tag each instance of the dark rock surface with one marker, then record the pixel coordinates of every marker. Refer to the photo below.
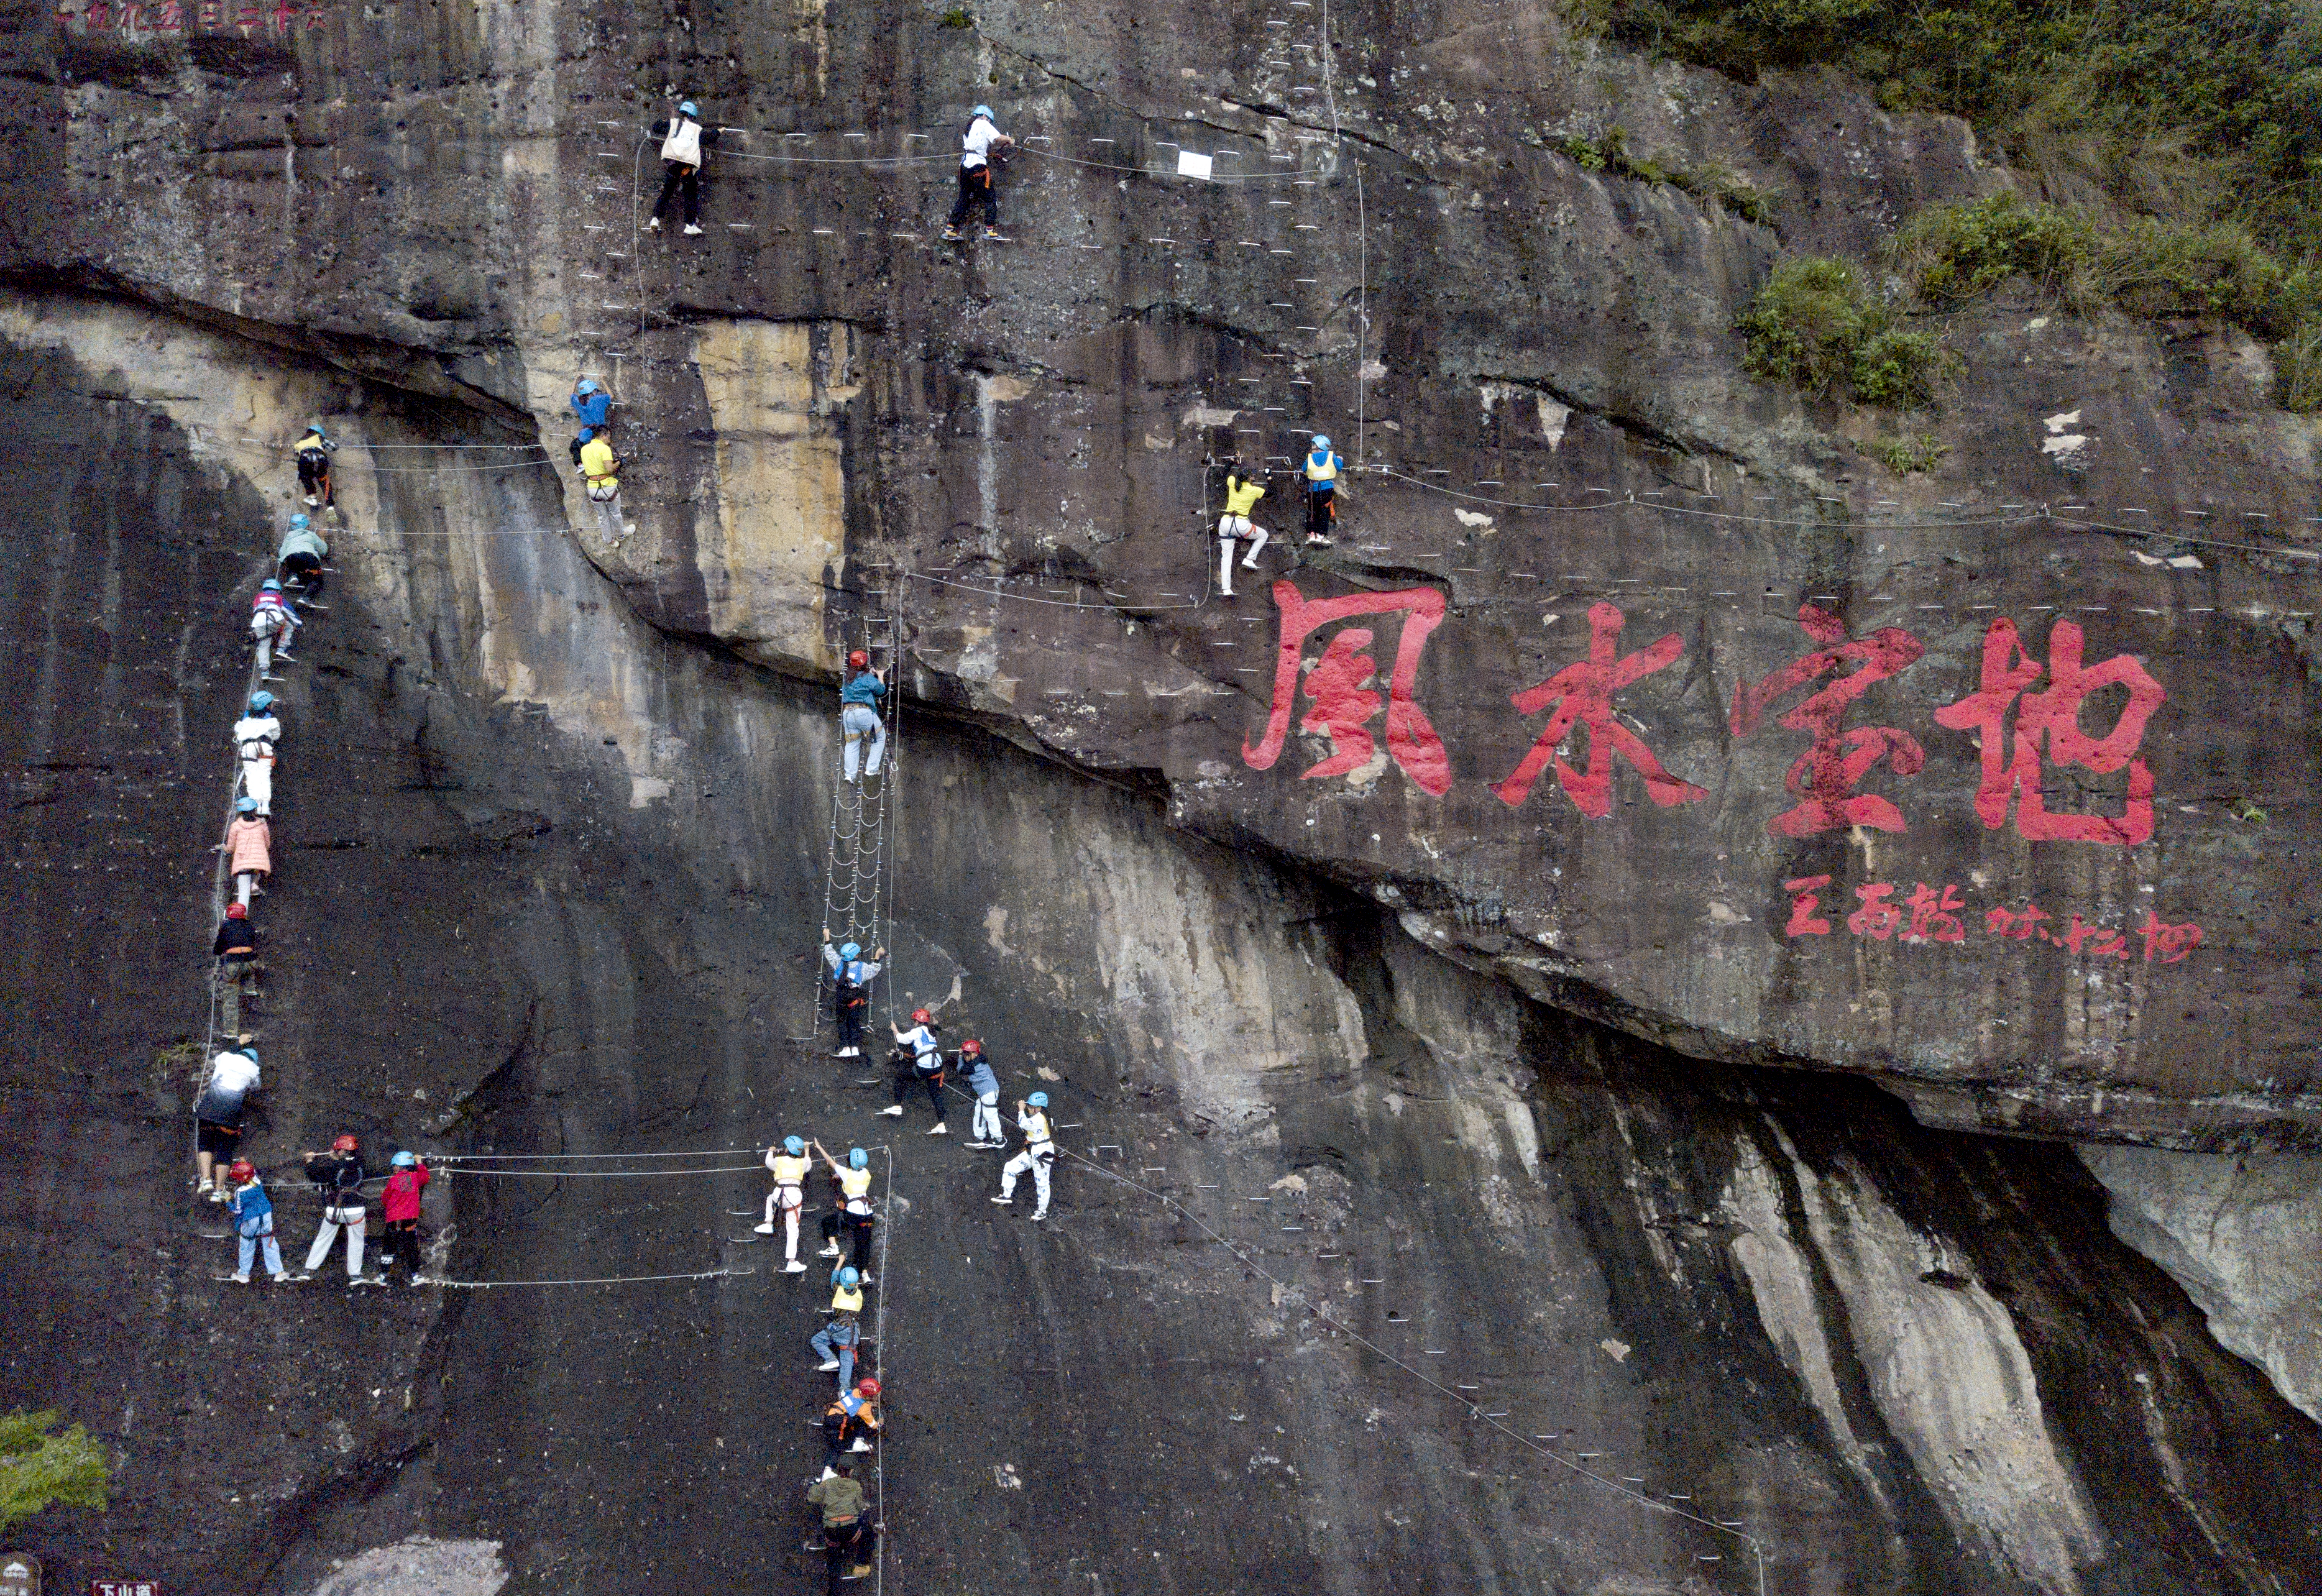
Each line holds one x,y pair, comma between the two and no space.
1511,1093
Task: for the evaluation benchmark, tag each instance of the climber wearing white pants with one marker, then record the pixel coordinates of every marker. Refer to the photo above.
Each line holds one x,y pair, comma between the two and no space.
1039,1154
1241,498
983,1128
789,1165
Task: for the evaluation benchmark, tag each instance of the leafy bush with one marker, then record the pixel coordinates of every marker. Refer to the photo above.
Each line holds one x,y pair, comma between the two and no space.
1901,368
2155,268
38,1469
1909,452
1953,252
1736,193
956,18
1806,325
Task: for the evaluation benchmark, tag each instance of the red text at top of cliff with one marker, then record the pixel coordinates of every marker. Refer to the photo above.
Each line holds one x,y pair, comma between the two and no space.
2046,729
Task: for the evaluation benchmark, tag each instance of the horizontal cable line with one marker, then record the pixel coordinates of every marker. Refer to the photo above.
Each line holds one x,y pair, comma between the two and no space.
560,1157
717,1169
609,1280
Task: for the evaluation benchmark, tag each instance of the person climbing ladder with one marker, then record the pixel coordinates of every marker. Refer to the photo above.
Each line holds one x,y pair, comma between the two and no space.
683,140
300,560
254,737
858,716
980,143
788,1164
271,628
600,473
249,850
1242,494
851,975
1320,470
235,949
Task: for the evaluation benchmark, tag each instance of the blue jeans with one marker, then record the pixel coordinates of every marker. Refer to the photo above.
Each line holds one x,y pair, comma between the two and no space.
250,1245
837,1341
859,721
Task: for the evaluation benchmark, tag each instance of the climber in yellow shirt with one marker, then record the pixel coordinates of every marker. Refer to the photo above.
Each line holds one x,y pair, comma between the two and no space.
1242,494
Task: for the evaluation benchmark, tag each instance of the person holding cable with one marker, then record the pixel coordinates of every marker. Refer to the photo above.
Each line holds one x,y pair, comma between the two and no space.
683,139
1242,494
981,142
1039,1154
788,1164
854,1215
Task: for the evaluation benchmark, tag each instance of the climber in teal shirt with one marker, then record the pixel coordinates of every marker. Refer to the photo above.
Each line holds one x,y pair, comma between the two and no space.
858,712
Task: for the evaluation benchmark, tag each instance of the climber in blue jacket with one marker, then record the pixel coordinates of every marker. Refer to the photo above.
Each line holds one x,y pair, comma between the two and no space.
594,406
1321,469
858,712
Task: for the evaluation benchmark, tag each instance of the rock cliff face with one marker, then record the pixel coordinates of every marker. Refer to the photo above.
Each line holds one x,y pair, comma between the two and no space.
1504,926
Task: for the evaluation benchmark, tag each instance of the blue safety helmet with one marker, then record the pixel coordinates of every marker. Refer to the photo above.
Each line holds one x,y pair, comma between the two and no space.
246,806
588,386
299,521
983,110
317,430
687,108
1320,442
793,1146
847,1277
1038,1099
850,950
858,1159
261,702
269,586
404,1161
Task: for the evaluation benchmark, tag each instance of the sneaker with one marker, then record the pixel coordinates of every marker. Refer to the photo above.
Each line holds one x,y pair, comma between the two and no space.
288,1279
368,1279
994,236
941,1130
894,1112
312,502
817,1544
794,1267
693,229
282,659
240,1279
828,1366
830,1252
217,1193
1003,1199
764,1229
1249,565
860,1445
860,1572
866,1280
829,1473
421,1280
952,235
652,224
1040,1213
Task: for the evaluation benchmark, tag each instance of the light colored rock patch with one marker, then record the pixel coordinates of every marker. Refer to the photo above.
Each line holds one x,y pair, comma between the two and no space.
1781,1283
780,509
420,1567
2244,1237
1951,1378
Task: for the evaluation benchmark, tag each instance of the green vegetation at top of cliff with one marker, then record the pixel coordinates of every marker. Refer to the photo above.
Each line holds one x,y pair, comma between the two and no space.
38,1470
2203,117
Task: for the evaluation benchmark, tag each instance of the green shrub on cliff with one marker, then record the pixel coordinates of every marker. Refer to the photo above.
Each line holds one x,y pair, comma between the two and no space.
1950,253
38,1469
1817,327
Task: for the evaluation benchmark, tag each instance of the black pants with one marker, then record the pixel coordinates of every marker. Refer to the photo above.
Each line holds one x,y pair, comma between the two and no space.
1322,511
677,178
858,1227
838,1436
314,476
845,1546
306,571
907,1075
402,1246
975,188
852,1007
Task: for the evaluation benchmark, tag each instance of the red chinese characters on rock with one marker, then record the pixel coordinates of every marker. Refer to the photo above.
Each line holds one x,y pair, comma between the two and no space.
1343,706
1932,915
2049,721
1583,694
1826,774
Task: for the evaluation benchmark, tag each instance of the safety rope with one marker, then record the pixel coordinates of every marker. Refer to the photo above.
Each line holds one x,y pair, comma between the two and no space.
609,1280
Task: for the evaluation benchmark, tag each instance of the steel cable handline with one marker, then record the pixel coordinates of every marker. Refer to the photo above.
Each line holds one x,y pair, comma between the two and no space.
1474,1410
715,1169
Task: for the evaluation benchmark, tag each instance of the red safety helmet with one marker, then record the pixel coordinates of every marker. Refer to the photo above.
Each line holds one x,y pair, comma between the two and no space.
859,661
866,1388
971,1045
241,1169
237,911
344,1144
921,1016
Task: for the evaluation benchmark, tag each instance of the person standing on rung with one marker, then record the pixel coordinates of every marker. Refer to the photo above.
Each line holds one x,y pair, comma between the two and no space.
217,1117
919,1062
848,1533
837,1341
235,949
850,1423
1322,469
984,1131
248,850
1039,1154
253,1225
299,560
683,140
399,1205
853,1216
851,975
272,628
858,714
313,451
788,1164
1242,494
337,1177
980,143
254,737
